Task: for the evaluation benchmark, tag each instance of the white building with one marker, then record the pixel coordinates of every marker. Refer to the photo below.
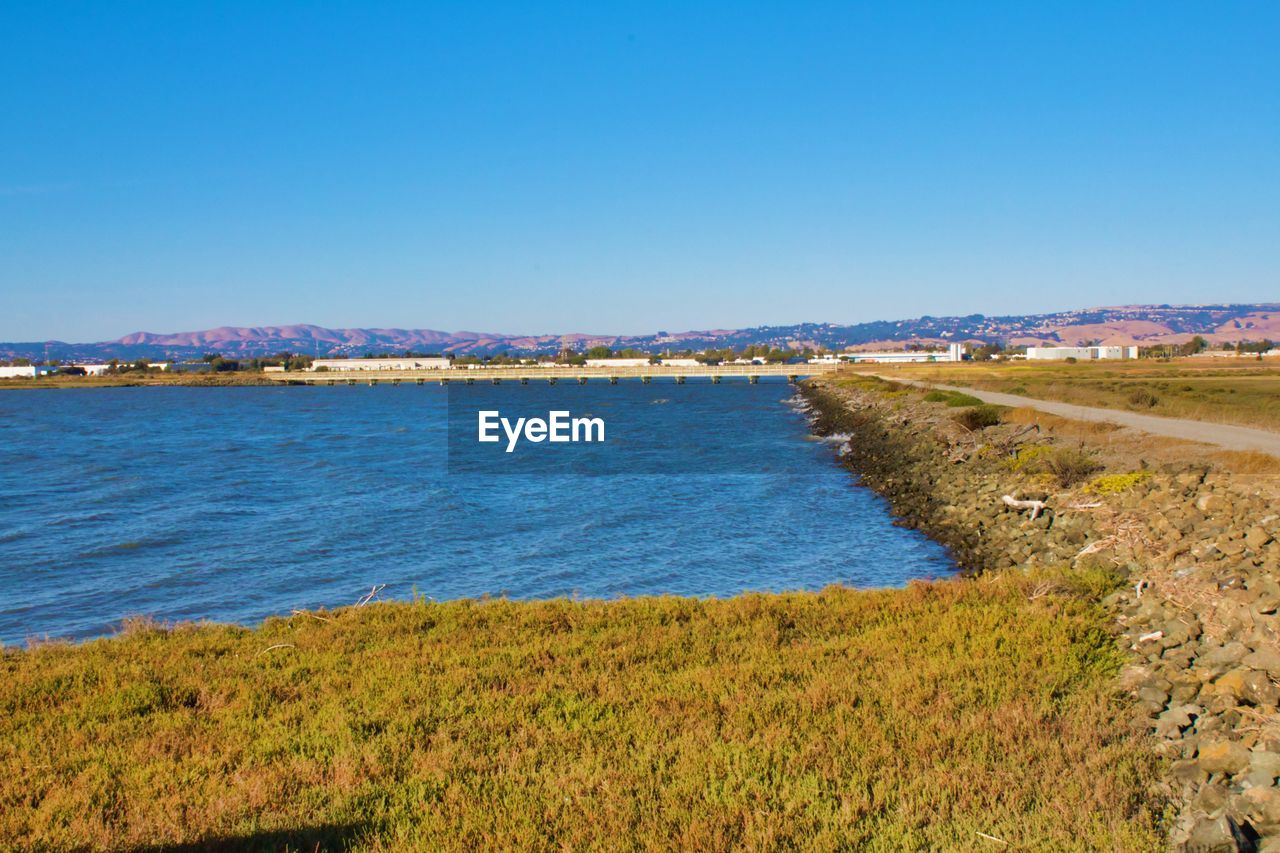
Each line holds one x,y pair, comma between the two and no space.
1080,353
681,362
93,369
955,352
618,362
27,370
406,363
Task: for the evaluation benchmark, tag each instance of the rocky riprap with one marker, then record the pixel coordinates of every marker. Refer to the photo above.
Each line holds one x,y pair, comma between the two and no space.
1199,551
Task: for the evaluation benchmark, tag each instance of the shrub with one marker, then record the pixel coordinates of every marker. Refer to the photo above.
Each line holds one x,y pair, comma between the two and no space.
957,399
1143,399
978,417
951,398
1067,466
1111,484
1071,359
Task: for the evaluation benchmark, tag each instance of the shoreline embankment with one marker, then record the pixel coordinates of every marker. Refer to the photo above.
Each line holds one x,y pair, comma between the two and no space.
1192,544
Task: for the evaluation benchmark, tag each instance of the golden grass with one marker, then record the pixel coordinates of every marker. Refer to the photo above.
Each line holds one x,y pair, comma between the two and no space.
1217,390
890,719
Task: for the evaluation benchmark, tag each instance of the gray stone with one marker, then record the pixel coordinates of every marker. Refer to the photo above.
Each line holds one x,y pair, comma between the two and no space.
1256,538
1186,771
1263,761
1262,807
1212,504
1231,653
1266,659
1178,717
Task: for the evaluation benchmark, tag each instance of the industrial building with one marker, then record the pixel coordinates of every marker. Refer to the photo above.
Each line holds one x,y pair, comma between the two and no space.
955,352
1080,353
27,370
406,363
617,362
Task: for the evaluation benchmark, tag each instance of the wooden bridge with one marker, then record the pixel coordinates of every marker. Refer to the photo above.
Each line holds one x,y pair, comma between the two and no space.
552,375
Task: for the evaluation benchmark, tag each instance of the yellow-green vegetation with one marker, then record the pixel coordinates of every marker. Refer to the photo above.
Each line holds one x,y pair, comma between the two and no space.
1110,484
951,398
889,719
1066,466
1242,391
1029,458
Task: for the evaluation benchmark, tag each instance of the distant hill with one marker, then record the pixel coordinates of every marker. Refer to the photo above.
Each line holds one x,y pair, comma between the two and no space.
1127,324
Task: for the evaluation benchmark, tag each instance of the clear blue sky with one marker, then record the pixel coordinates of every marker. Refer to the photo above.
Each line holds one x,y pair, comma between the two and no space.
610,167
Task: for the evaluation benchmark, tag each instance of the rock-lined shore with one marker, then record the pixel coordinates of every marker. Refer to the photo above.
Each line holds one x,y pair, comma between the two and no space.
1197,547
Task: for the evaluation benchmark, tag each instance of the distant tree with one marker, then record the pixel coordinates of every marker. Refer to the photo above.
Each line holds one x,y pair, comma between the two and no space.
1193,346
599,352
986,352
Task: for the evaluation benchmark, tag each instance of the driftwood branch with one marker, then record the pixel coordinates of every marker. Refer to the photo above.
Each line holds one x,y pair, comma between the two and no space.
1036,507
311,615
371,594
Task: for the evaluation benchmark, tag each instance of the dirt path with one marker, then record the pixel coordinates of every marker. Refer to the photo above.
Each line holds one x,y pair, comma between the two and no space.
1222,435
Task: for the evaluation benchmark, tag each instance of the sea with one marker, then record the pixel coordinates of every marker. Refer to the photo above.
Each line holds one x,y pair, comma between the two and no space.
233,504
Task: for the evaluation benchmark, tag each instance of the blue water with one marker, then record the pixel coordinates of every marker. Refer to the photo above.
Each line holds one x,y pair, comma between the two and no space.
232,504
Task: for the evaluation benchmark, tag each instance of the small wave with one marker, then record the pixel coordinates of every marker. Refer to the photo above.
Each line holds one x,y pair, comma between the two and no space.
659,401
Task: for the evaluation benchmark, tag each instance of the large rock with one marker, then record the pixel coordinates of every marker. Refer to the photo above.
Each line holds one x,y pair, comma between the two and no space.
1223,656
1223,757
1265,762
1248,685
1266,659
1212,504
1262,807
1256,538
